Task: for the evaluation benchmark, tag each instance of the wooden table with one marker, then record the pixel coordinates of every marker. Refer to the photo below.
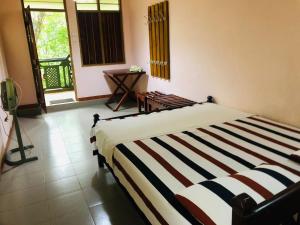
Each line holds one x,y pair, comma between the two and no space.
119,77
152,101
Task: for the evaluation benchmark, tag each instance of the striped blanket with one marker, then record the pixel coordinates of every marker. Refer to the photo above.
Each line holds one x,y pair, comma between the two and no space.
261,183
153,170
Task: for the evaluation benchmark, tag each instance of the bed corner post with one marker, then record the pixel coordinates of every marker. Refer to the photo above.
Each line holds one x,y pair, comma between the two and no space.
101,159
242,205
96,119
210,99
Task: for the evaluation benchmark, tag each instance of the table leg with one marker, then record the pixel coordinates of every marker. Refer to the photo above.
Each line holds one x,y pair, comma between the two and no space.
121,101
119,84
146,104
139,104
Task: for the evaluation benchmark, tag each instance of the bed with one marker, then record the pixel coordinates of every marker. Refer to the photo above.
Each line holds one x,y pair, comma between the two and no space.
166,158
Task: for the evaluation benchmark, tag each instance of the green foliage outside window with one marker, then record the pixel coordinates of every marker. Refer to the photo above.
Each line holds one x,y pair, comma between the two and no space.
51,34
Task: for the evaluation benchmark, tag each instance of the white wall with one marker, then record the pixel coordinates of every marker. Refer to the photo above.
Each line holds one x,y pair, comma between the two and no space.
16,48
90,80
245,53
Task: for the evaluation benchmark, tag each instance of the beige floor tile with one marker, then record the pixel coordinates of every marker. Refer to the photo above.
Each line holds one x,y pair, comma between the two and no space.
66,204
88,166
22,182
55,174
5,177
101,216
62,186
92,197
59,188
22,198
26,169
52,162
7,218
33,214
49,144
80,156
102,195
82,142
5,185
51,222
53,155
96,179
78,147
80,216
75,134
113,213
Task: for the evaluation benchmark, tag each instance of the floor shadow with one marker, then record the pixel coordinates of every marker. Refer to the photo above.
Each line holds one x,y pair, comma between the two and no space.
116,204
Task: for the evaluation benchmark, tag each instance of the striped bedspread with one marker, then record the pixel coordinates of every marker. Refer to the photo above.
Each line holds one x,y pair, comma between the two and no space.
261,183
153,170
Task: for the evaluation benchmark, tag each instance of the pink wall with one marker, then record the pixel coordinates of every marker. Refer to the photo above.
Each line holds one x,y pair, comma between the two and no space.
245,53
4,130
16,48
90,80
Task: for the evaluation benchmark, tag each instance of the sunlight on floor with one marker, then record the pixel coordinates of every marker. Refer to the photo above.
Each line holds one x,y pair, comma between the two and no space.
60,97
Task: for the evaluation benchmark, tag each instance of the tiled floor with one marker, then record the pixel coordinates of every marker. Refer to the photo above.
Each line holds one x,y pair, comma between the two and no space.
65,186
59,96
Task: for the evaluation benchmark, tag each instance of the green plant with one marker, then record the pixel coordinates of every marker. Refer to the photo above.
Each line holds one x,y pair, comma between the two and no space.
51,34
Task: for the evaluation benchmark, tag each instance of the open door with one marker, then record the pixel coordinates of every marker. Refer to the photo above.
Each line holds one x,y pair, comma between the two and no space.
34,59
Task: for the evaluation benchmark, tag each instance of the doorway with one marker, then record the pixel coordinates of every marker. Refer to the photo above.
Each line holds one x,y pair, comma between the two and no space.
52,47
52,42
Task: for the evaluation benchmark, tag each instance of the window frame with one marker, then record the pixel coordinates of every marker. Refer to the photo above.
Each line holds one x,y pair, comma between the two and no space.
46,9
99,11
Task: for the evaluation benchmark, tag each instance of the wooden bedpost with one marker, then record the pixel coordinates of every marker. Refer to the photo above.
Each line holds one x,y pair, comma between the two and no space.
101,159
96,119
242,205
281,209
210,99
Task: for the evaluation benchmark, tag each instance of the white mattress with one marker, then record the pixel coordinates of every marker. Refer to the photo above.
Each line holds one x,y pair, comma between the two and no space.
110,133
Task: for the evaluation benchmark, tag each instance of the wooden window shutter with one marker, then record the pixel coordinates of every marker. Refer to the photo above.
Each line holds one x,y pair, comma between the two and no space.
91,48
112,37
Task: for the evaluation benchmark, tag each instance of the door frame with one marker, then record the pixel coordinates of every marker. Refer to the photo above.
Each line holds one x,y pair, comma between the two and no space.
34,58
69,38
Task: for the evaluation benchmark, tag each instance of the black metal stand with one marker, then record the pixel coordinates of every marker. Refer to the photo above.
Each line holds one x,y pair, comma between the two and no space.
21,147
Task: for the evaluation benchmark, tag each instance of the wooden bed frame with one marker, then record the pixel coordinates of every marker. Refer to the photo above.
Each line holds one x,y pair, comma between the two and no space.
281,209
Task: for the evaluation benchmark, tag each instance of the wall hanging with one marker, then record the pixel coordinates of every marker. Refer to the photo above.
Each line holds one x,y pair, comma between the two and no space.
158,22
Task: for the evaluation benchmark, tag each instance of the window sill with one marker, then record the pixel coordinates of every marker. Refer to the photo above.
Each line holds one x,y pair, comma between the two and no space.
102,65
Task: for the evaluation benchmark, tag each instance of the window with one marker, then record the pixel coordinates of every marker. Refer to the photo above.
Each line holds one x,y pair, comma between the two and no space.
44,4
100,31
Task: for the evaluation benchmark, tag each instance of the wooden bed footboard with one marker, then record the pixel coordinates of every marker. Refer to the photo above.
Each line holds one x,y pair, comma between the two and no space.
282,209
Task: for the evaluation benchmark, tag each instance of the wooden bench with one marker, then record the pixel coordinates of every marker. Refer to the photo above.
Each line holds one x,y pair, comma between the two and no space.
151,101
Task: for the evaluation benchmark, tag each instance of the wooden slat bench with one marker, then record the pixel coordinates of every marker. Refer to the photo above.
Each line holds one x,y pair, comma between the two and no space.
152,101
